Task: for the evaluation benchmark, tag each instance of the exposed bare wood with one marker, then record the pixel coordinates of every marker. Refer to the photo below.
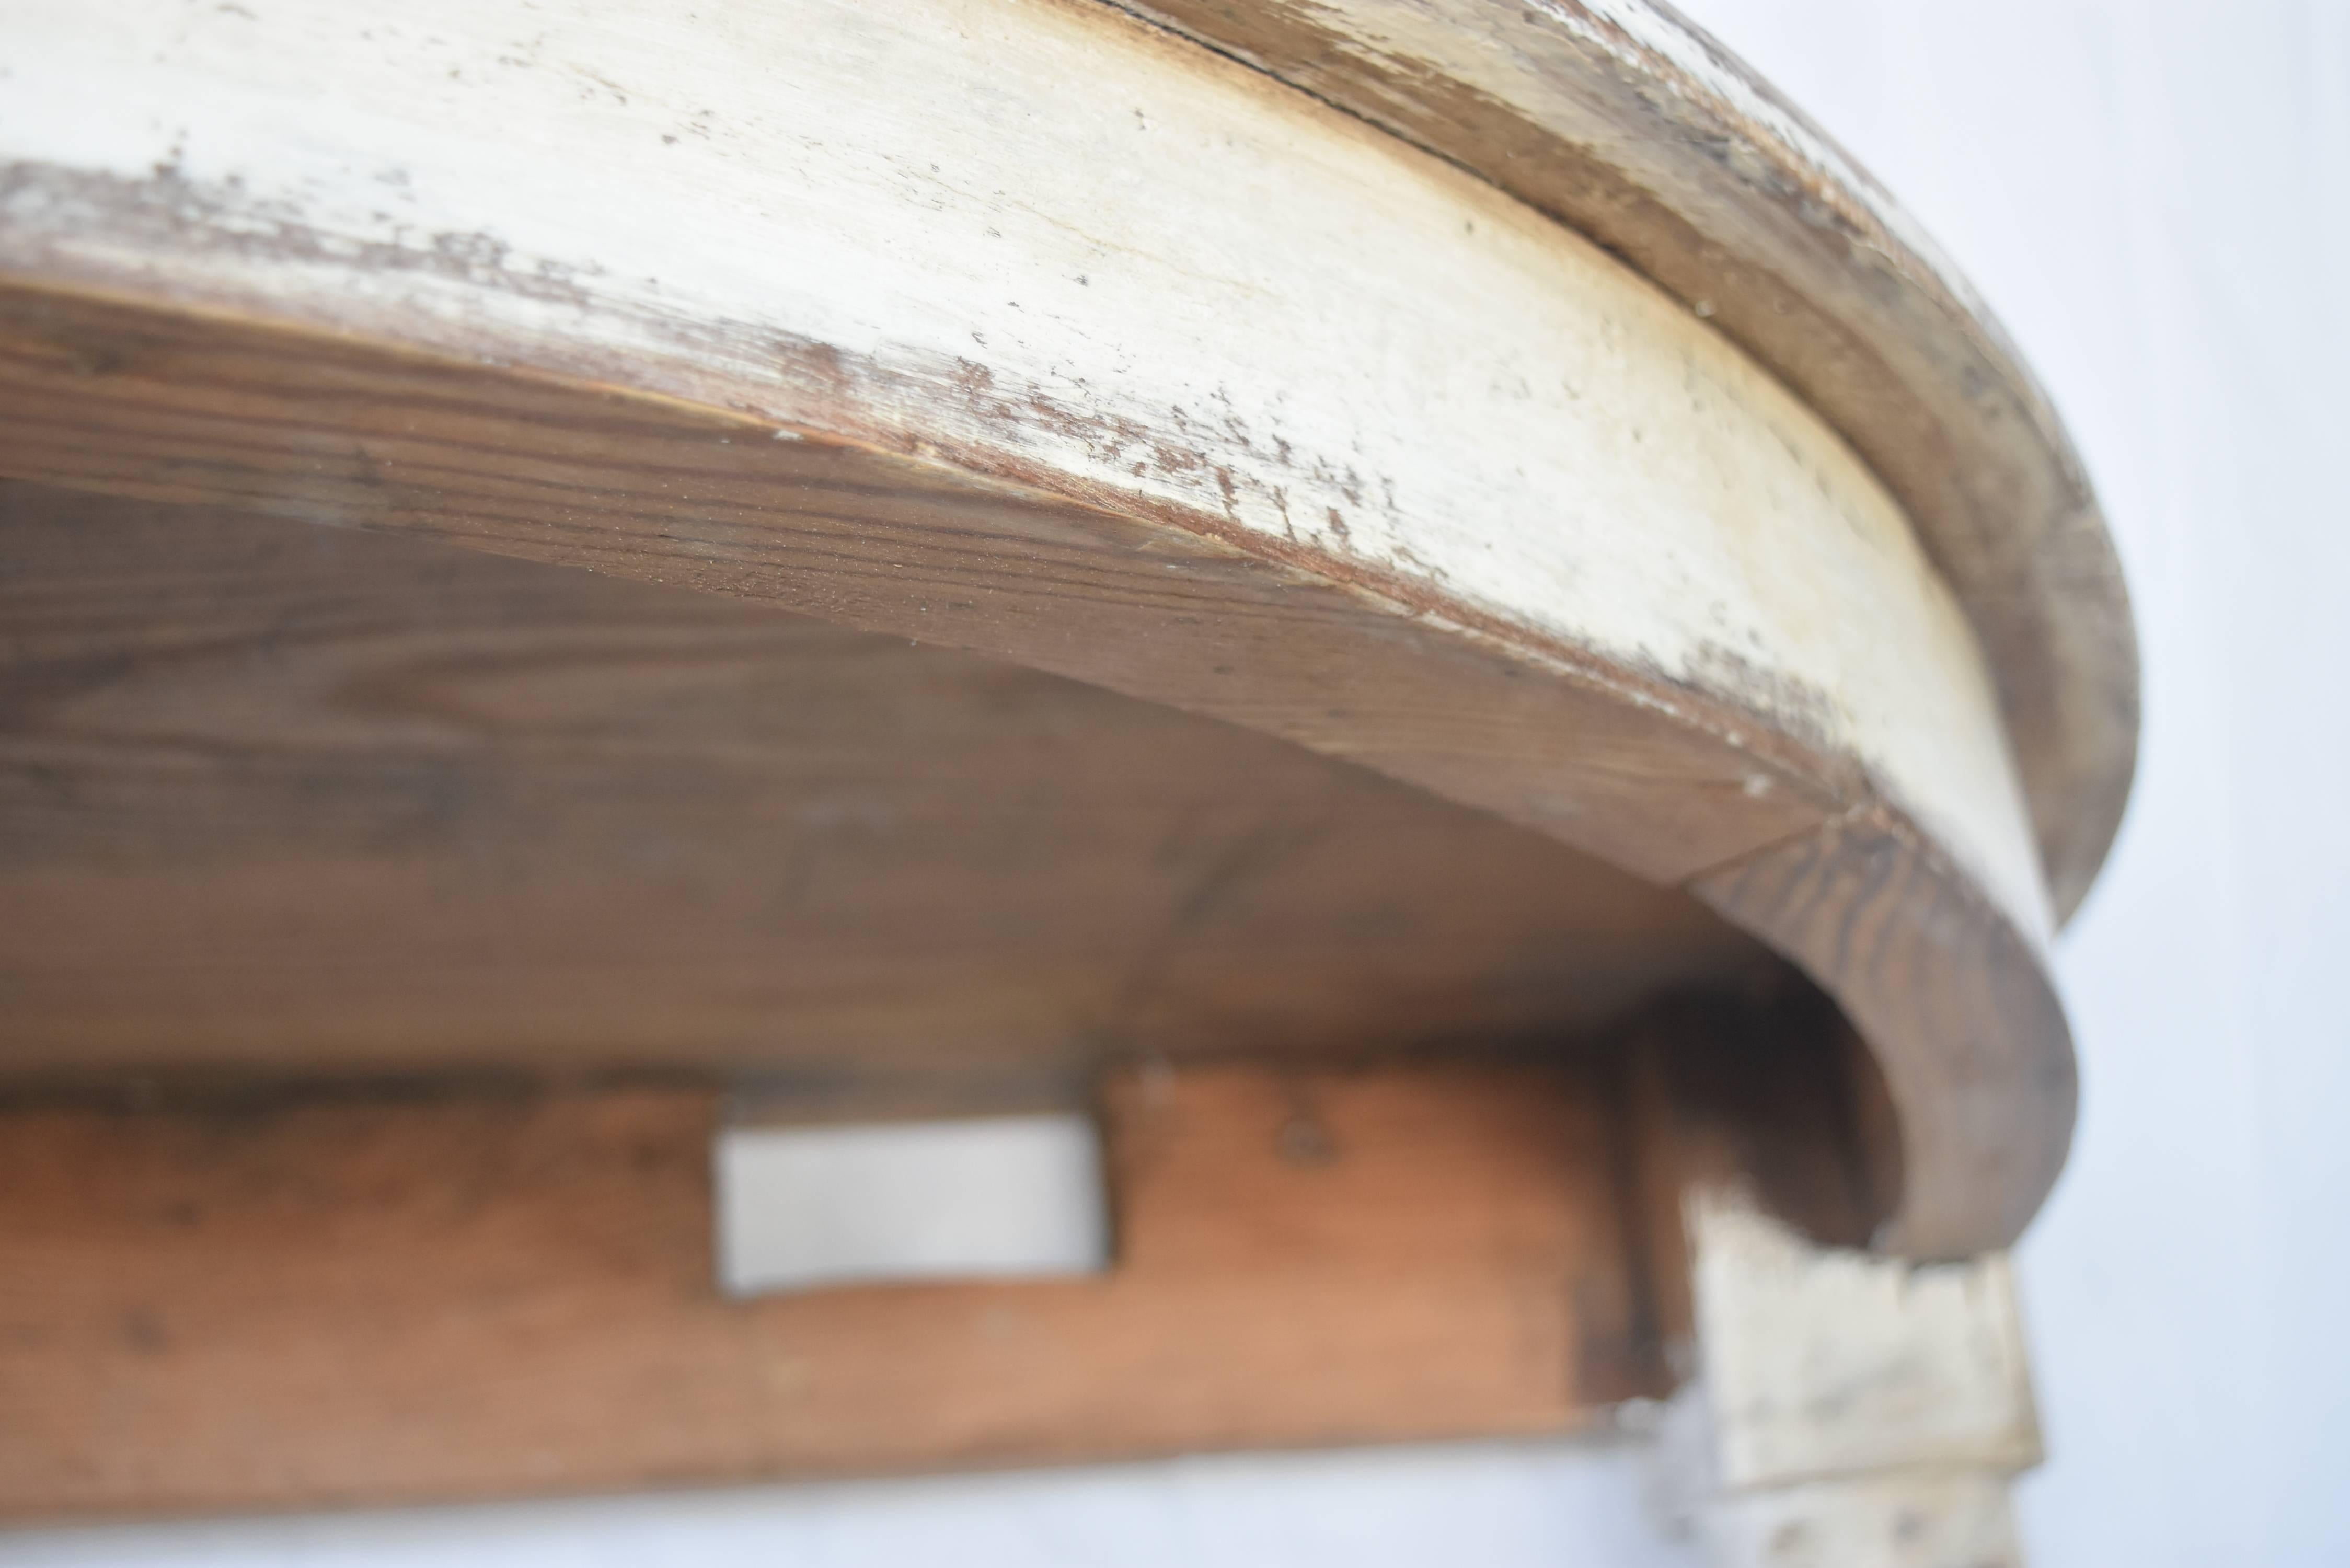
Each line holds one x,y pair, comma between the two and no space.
1773,1103
1914,953
282,798
473,1297
177,407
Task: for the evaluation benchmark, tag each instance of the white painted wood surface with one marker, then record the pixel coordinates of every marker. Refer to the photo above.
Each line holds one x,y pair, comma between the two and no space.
1820,1363
1043,241
1931,1519
1628,125
1848,1411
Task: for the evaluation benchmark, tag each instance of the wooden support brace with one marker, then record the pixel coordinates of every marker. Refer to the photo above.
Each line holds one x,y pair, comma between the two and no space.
372,1300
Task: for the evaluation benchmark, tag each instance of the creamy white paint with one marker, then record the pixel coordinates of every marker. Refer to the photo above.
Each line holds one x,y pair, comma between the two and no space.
1848,1411
1819,1364
1912,1519
1039,236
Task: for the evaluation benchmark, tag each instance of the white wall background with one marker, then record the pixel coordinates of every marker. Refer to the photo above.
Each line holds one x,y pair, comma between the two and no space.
2156,198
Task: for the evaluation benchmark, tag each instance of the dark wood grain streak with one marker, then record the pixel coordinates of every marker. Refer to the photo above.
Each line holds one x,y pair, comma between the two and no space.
1804,262
1914,954
149,402
1771,1103
311,801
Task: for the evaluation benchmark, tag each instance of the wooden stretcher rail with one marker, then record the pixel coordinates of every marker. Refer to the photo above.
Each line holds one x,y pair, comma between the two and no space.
354,1301
275,1299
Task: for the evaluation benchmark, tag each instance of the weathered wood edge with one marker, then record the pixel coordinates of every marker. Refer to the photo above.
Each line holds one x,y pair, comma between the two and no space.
1959,1010
1623,121
176,405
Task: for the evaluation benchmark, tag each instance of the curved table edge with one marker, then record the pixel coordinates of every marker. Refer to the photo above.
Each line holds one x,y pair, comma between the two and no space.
1627,123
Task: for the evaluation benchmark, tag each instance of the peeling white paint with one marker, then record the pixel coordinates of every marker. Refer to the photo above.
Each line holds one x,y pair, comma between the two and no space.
1849,1411
1033,238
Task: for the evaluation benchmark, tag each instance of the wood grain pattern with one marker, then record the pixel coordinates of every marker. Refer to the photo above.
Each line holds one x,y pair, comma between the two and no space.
474,1297
275,798
1916,951
177,407
181,408
1628,124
